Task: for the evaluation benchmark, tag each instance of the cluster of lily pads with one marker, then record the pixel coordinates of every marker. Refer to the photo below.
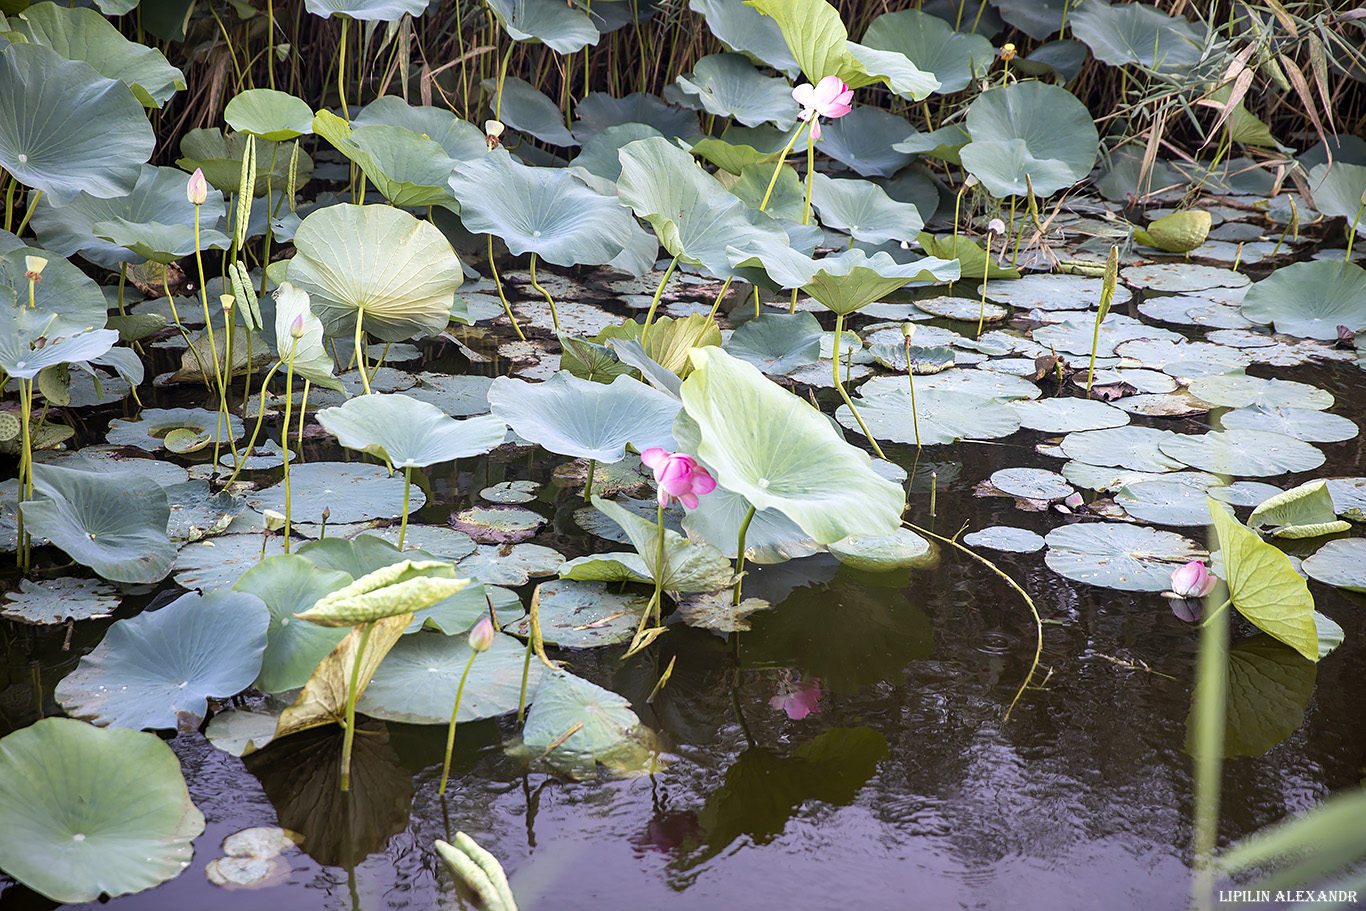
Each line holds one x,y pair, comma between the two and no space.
318,590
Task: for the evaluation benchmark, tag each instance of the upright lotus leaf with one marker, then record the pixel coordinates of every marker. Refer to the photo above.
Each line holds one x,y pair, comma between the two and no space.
307,356
846,281
92,811
65,129
545,211
563,29
779,452
957,59
597,111
787,201
379,264
688,566
289,584
366,10
669,341
408,169
160,668
864,141
461,139
1139,34
83,34
32,340
778,343
586,420
1029,129
527,109
112,521
728,85
973,261
1337,189
268,114
864,210
598,164
407,433
1310,299
401,588
745,30
944,143
1264,586
1036,18
1301,512
161,243
65,290
607,725
220,157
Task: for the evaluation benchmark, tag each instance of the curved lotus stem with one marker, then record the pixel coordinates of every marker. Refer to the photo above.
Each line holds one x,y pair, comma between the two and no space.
498,283
659,293
553,314
740,554
360,351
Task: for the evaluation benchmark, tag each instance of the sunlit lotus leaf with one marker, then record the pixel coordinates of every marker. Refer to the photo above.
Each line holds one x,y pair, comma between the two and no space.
461,139
1338,189
366,10
786,202
862,140
65,129
728,85
1310,299
1244,453
1164,502
583,419
1340,563
1264,586
58,600
159,669
955,58
731,157
380,264
83,34
563,29
545,211
942,416
864,210
583,614
290,584
901,549
686,567
220,158
778,452
973,261
417,682
92,811
1029,129
847,281
306,356
1136,33
1063,415
268,114
1305,511
407,169
354,492
1301,423
408,433
771,537
563,701
778,343
745,30
598,111
523,107
1005,538
669,341
112,521
611,566
156,241
1129,558
32,340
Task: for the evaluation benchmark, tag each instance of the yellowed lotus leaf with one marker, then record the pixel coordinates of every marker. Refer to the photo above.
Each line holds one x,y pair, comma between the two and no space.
1179,232
399,588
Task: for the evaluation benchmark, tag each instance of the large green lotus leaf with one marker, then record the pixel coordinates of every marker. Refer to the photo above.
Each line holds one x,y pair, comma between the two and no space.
461,139
1264,586
561,28
944,143
366,10
778,452
598,164
545,211
863,140
1341,564
92,811
1036,18
65,129
220,157
1269,687
1301,423
598,111
728,85
1130,558
729,156
583,419
399,588
864,210
1310,299
83,34
611,566
524,107
1237,390
771,537
408,433
843,282
159,669
1301,512
398,274
32,340
973,261
306,356
112,521
563,701
290,584
670,340
688,566
956,59
1136,33
268,114
1337,189
778,343
156,241
60,599
1244,453
584,614
744,29
942,416
407,169
353,492
418,679
1029,129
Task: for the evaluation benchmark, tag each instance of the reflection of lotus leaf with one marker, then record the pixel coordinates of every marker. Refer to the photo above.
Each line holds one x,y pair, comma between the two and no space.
1269,686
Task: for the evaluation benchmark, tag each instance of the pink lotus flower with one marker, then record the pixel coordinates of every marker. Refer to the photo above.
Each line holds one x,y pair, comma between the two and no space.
797,698
1193,580
197,190
828,98
678,475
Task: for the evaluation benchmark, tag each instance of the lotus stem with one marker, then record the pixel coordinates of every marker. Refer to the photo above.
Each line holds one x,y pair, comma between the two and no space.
659,293
502,77
588,482
9,202
351,688
982,310
1208,714
284,438
1351,232
28,213
1015,254
810,182
910,378
303,410
360,350
526,672
934,492
270,41
554,315
659,566
716,305
194,352
450,731
25,468
403,524
341,79
839,331
256,431
782,159
123,281
740,554
213,346
498,283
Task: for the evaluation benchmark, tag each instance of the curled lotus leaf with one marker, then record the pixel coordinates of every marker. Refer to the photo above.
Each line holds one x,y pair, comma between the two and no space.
399,588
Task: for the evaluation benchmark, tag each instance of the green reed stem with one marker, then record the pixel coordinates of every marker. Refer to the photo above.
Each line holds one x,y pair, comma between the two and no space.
1208,716
716,304
782,159
284,438
498,283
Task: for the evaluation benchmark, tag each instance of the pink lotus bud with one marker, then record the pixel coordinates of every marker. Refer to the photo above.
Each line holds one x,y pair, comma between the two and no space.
1074,501
481,637
678,475
296,328
197,190
1193,580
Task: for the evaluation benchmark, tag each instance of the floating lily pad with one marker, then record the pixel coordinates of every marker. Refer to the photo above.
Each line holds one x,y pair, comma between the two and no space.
498,524
716,611
981,383
510,564
1124,557
1240,391
149,431
1031,483
457,396
510,492
1301,423
1244,493
1060,415
59,600
158,669
963,309
1165,502
882,553
1349,497
1184,360
199,512
215,563
1341,564
1005,538
1136,448
352,491
563,701
1182,277
1076,335
239,732
1243,453
1054,292
939,416
584,614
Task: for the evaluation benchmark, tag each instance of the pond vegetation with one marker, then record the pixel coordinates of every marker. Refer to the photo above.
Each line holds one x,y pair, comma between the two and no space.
688,399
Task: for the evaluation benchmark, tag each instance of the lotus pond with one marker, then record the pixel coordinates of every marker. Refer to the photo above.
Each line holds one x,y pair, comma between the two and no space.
844,472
